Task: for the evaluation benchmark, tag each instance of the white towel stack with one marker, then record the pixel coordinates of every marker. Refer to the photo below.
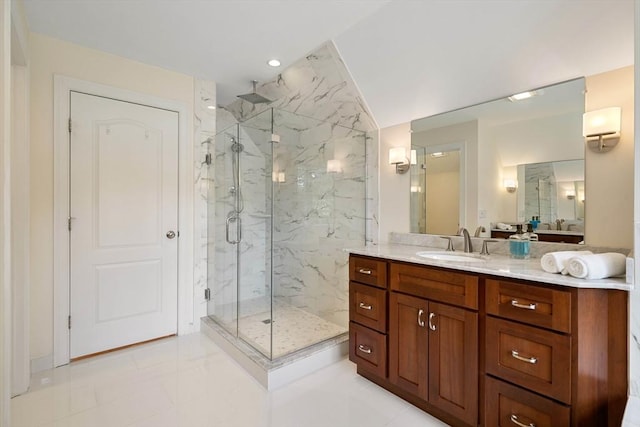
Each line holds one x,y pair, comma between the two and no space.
584,264
503,226
597,266
555,262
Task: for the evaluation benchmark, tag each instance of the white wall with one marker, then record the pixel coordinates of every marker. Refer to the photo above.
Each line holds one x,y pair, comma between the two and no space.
5,260
20,211
49,57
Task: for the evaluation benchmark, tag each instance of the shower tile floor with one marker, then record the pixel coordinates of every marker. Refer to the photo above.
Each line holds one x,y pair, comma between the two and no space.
293,328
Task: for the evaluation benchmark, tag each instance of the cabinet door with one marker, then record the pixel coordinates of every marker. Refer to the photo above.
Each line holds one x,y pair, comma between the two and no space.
408,341
453,361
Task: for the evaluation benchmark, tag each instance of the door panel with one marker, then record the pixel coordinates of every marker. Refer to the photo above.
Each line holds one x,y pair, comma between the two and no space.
408,342
124,200
453,361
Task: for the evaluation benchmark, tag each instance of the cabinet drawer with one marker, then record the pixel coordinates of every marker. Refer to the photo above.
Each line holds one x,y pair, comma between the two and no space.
437,285
510,406
368,349
368,270
535,305
368,306
533,358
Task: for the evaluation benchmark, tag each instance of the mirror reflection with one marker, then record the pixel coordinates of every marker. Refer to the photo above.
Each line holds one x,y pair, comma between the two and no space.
539,134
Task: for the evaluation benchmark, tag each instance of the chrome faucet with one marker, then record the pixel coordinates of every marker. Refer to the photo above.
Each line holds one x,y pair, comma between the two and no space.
468,247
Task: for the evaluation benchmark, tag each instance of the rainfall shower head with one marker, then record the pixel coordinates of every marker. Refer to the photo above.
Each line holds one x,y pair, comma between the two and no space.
253,97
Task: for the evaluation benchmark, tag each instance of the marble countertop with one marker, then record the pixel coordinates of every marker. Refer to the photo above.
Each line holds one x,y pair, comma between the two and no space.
496,265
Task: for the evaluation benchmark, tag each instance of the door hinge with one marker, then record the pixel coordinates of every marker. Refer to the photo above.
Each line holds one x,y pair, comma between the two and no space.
207,294
69,124
69,223
69,322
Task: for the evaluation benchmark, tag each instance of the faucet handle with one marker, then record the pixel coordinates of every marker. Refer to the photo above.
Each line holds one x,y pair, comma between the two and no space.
449,245
485,249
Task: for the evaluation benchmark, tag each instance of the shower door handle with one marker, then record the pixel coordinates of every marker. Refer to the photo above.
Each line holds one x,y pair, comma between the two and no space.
231,219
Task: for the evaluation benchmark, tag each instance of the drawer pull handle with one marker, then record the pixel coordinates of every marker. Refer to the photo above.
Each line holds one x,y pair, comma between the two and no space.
431,325
365,271
364,349
365,306
514,419
516,304
516,355
420,321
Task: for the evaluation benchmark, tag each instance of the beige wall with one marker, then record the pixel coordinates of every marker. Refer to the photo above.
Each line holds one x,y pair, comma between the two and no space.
394,188
49,57
609,176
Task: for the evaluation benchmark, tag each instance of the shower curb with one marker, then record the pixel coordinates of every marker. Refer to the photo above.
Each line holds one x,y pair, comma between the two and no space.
272,374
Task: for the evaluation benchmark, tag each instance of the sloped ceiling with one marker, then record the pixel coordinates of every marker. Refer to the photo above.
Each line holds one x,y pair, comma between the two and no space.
409,58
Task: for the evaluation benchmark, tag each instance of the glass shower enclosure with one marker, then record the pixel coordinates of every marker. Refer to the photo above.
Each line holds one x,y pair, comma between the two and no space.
288,195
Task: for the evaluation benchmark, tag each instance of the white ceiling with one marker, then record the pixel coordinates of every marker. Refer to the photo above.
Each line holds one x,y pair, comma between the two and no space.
410,58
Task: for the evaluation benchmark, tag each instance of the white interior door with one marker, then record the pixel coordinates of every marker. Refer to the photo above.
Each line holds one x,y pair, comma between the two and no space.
124,217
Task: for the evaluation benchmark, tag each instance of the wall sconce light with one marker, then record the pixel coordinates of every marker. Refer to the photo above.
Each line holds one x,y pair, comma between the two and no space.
510,185
334,166
398,157
601,125
278,176
414,157
571,194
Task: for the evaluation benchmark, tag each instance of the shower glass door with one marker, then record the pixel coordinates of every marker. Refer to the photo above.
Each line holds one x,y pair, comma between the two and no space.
223,228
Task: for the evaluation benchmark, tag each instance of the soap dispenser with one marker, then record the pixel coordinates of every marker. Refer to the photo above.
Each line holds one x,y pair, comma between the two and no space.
519,244
532,236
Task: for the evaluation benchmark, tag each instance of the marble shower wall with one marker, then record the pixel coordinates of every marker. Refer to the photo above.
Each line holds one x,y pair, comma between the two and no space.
316,213
319,116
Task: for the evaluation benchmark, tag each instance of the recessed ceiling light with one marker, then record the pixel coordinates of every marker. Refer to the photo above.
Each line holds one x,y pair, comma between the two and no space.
525,95
211,107
273,63
438,154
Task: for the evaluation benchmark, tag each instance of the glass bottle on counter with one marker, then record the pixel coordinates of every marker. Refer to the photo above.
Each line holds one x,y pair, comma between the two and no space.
519,243
532,236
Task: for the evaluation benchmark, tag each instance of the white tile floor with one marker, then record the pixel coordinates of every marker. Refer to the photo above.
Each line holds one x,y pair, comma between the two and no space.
189,382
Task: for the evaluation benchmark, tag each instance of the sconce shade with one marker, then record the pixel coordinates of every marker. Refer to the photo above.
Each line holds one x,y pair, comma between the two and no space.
510,185
414,157
599,125
334,166
601,122
397,155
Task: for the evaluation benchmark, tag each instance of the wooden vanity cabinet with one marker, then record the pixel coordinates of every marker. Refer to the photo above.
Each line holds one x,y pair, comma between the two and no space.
554,356
433,346
479,350
368,314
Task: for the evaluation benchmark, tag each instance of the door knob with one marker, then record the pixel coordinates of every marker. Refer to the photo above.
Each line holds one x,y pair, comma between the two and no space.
171,234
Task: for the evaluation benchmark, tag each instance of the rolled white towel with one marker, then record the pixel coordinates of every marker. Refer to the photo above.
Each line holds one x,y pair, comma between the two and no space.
503,226
555,262
597,266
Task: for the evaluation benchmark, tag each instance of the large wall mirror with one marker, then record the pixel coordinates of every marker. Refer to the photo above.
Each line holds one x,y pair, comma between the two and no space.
462,159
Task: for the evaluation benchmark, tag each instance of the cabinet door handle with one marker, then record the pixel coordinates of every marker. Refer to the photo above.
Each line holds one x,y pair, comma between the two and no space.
516,355
365,306
365,271
431,325
516,304
364,349
514,419
420,321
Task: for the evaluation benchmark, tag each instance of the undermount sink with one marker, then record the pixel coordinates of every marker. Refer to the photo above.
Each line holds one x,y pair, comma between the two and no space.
450,256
